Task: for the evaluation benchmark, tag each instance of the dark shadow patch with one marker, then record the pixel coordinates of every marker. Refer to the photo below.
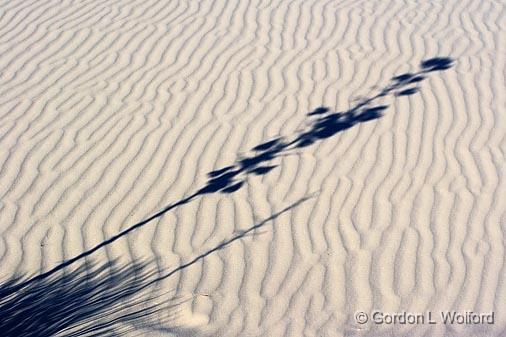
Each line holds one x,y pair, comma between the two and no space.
233,188
219,182
261,170
267,145
416,79
90,300
220,171
319,111
407,92
371,114
436,64
403,78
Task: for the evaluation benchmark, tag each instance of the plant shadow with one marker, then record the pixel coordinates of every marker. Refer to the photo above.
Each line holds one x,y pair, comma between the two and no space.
323,124
107,300
97,300
90,300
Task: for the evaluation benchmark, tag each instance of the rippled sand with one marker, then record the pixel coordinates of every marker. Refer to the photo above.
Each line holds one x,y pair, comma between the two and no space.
251,168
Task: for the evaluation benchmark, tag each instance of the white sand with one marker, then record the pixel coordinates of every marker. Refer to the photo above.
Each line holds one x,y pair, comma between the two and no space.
111,111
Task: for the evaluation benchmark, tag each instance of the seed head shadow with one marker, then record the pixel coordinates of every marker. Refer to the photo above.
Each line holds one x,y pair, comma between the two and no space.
323,124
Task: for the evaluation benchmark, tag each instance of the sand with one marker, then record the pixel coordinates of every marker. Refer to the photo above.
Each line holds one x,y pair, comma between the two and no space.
251,168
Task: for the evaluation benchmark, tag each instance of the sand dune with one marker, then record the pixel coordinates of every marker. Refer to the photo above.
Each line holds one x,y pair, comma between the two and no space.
251,168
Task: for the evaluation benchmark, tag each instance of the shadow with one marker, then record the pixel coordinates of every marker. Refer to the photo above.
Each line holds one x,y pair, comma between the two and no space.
239,235
92,300
436,64
100,300
108,300
323,123
407,92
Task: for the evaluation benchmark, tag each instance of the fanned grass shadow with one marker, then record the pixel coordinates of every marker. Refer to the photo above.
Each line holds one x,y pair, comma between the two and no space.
91,300
96,300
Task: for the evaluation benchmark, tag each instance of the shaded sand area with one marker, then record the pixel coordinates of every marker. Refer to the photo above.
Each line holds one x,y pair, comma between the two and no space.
251,168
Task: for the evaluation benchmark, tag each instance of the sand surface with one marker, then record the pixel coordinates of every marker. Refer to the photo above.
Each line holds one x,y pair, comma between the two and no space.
251,168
